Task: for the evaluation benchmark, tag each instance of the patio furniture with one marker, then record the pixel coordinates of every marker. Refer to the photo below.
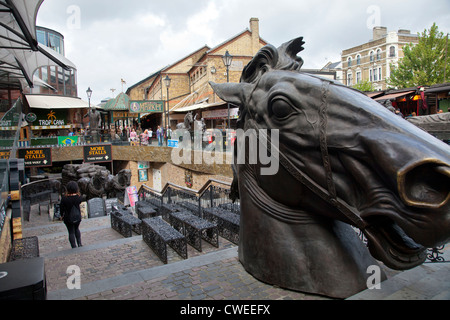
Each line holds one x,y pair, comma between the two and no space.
227,222
157,234
195,229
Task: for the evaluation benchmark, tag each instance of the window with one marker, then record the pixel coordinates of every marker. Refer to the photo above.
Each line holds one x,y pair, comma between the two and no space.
371,56
378,54
349,61
370,75
349,79
392,52
358,77
379,74
358,59
375,77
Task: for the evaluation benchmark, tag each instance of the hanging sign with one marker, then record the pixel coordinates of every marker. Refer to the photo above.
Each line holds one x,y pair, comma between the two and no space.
147,106
38,157
97,153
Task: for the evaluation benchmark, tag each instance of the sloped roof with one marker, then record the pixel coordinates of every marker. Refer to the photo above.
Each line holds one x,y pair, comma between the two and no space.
120,103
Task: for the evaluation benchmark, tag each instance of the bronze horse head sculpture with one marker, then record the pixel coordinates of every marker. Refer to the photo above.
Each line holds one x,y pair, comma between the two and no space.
345,161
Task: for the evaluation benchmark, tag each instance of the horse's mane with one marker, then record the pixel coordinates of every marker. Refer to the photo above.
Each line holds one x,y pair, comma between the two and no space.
271,58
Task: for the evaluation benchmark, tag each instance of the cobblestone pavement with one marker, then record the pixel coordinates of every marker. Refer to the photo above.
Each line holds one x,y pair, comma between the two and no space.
117,268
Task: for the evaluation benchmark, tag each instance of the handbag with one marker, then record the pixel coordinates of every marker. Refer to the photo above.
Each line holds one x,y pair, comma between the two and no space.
74,215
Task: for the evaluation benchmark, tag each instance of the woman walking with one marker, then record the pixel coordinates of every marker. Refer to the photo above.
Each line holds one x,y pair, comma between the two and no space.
71,213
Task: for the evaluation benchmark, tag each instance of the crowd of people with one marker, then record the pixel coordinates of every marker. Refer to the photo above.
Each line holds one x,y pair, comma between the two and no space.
143,137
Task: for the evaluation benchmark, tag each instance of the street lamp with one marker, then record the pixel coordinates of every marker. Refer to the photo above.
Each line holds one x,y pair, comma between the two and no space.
167,82
89,95
227,60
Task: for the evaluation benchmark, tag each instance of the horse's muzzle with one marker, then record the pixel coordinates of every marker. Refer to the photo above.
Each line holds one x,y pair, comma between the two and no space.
425,184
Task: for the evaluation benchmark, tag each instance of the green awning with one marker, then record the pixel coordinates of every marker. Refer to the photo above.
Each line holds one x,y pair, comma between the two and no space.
120,103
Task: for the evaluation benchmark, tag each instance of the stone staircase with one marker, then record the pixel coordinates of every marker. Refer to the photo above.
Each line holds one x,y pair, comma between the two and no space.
114,267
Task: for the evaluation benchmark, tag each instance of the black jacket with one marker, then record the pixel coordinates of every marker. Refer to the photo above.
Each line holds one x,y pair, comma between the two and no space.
66,205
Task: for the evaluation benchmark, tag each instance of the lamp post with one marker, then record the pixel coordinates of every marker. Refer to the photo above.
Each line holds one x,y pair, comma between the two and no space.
167,82
89,95
227,60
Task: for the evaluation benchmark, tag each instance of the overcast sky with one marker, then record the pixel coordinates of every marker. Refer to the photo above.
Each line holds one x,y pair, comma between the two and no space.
110,40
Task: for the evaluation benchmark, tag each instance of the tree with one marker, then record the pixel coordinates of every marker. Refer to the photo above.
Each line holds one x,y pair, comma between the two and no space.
423,64
364,86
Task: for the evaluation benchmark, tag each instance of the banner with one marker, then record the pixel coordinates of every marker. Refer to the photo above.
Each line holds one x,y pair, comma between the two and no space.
147,106
67,141
98,153
131,196
39,157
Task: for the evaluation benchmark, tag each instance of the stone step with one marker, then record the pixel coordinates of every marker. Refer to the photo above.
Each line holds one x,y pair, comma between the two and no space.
429,281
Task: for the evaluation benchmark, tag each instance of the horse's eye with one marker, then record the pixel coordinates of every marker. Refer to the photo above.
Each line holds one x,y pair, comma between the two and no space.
281,108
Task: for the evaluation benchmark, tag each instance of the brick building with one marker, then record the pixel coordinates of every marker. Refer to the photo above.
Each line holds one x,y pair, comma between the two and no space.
371,61
189,89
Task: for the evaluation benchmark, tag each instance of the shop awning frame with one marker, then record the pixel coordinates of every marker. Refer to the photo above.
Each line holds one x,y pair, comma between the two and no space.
394,95
200,106
55,102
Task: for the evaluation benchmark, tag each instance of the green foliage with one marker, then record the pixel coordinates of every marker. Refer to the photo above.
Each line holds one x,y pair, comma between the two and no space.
424,63
364,86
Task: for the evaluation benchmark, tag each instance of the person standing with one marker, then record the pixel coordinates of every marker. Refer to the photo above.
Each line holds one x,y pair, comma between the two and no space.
70,200
160,136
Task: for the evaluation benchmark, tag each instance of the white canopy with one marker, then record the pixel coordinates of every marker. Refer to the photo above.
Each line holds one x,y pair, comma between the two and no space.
55,102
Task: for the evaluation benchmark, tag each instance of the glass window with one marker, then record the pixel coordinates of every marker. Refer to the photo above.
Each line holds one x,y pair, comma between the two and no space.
55,43
379,54
41,37
349,61
379,74
392,51
375,78
349,79
358,77
371,56
358,59
370,75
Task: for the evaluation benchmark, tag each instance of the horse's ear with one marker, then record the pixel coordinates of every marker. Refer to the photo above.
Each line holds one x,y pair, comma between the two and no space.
234,93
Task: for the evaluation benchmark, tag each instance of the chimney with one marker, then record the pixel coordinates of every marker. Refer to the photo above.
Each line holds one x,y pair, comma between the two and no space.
254,29
379,32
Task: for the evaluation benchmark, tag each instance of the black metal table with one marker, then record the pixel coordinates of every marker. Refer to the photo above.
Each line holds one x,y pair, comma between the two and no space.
125,223
23,280
167,208
157,234
145,212
195,229
227,222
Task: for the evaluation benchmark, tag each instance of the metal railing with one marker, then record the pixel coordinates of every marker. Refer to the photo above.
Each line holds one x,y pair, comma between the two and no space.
214,193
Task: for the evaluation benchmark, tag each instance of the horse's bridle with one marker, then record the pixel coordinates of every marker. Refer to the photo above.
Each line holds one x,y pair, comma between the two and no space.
329,194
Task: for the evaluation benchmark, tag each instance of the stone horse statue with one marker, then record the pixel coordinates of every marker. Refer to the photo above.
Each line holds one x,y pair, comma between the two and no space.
116,185
188,122
344,160
192,124
93,187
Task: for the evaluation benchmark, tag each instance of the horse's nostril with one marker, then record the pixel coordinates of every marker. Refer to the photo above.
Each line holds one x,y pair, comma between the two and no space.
426,185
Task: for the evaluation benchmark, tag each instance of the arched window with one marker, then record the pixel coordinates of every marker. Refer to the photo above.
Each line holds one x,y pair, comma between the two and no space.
378,54
358,59
371,56
392,52
349,61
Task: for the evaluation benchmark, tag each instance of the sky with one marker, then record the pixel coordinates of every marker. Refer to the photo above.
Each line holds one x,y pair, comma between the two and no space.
129,39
